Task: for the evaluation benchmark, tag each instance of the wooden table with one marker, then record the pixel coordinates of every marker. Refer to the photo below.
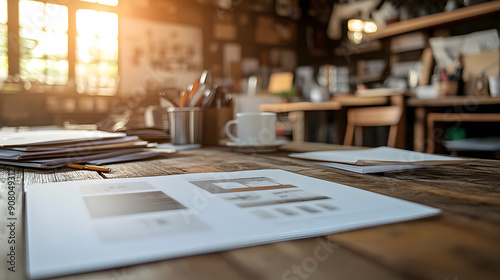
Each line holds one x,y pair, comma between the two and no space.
461,105
461,243
298,113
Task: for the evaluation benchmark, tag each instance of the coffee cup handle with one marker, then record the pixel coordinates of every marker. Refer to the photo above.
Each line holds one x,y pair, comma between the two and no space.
228,133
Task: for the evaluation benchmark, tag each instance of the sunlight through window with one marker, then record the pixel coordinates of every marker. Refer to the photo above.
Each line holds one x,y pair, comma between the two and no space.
104,2
43,32
45,57
97,52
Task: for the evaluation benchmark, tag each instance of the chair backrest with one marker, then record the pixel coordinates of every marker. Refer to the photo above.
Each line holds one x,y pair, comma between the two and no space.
391,116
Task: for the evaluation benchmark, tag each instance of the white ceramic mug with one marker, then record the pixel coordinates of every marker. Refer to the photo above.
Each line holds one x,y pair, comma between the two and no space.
494,84
253,128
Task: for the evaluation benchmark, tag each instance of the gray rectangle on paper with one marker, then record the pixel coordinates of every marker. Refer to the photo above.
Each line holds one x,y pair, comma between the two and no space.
129,203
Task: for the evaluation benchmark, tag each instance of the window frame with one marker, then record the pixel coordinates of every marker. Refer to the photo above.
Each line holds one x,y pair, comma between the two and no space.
13,38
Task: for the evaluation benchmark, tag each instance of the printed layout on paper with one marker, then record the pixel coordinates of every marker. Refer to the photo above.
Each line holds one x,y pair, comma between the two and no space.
75,227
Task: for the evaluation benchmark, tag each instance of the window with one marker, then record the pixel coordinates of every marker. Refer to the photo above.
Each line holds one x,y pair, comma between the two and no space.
71,45
43,32
104,2
97,52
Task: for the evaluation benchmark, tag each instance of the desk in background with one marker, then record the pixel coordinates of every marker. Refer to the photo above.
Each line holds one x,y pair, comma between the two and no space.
453,108
300,112
461,243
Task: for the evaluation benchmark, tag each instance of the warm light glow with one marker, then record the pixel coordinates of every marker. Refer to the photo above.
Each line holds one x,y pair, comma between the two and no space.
355,25
97,51
85,45
355,37
3,11
44,42
369,27
97,32
104,2
31,15
56,44
56,19
104,25
356,28
358,36
36,64
62,65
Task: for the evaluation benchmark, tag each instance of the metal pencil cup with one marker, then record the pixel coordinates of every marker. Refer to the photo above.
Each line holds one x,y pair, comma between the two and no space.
185,125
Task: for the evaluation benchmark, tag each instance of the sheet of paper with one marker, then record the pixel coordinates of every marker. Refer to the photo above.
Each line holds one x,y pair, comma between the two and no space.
71,152
377,156
100,224
370,168
106,157
87,143
8,138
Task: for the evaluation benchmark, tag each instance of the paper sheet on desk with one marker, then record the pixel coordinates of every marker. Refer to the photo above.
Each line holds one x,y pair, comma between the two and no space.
39,147
20,138
119,222
377,156
69,152
365,169
47,149
97,159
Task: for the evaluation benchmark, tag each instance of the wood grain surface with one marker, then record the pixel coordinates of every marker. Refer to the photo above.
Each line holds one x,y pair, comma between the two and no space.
461,243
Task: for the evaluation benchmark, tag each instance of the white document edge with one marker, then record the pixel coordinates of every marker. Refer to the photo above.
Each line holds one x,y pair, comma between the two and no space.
366,169
43,199
380,155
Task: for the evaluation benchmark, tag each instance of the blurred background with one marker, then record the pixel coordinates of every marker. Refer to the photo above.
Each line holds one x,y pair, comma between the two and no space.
102,62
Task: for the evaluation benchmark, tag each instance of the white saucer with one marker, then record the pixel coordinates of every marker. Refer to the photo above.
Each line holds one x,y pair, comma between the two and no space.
257,148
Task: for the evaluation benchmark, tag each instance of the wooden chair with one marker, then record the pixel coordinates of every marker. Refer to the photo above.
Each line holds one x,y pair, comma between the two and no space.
392,116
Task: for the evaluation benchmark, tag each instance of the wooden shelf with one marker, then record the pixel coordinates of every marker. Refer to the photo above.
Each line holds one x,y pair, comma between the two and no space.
461,14
453,101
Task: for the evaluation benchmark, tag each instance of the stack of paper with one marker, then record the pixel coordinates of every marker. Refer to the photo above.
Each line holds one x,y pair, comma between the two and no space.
55,148
370,168
374,160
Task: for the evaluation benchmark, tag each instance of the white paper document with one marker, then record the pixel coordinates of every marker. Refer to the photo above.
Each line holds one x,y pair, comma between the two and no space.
47,149
82,226
377,156
8,138
365,169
